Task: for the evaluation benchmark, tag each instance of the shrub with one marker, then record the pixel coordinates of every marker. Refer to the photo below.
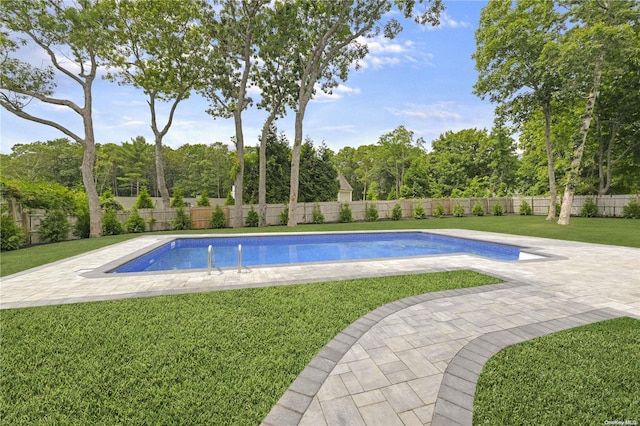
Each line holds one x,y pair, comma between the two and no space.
252,218
496,210
396,213
182,221
178,199
346,216
371,214
54,227
318,217
477,209
419,212
218,218
110,223
144,200
230,200
525,209
458,210
631,210
135,223
11,235
82,227
284,216
203,201
439,211
109,202
589,208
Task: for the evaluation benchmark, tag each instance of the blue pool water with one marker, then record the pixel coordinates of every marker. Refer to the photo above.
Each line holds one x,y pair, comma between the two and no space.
191,253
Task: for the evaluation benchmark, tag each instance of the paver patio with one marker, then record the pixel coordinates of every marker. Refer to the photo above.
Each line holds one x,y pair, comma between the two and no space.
414,361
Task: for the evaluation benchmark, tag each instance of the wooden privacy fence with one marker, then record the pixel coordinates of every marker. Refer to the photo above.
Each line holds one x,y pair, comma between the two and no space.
161,220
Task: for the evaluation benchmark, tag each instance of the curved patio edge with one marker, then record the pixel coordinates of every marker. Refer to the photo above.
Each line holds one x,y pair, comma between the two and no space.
454,404
294,402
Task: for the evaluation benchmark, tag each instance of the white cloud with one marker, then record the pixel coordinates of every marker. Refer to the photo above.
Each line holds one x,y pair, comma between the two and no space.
337,93
389,53
441,111
447,21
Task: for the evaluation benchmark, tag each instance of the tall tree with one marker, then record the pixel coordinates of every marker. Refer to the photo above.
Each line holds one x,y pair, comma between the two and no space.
398,151
161,47
602,32
510,41
325,44
232,56
73,37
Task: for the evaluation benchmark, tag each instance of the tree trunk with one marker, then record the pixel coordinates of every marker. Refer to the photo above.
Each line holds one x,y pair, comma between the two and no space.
546,108
162,184
574,171
295,166
239,180
89,161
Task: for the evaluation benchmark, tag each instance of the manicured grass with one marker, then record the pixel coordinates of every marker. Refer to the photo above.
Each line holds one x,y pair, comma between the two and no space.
583,376
210,358
622,232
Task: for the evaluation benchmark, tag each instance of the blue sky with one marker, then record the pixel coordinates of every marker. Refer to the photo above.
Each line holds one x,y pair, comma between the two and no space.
423,80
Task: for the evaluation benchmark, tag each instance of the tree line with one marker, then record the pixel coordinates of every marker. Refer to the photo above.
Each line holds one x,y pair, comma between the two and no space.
551,68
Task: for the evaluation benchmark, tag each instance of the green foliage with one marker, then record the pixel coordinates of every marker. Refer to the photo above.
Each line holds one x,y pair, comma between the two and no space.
135,223
108,201
371,214
253,219
218,218
40,195
110,223
284,216
477,209
143,201
178,199
525,209
82,226
588,368
318,175
496,210
631,210
396,213
229,201
317,216
346,216
182,221
419,212
458,210
439,211
54,227
589,208
203,201
11,235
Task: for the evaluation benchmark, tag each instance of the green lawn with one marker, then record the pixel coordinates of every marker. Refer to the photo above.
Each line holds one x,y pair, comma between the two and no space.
583,376
210,358
622,232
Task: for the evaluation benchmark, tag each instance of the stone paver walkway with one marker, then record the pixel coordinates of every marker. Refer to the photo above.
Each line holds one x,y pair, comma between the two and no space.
414,361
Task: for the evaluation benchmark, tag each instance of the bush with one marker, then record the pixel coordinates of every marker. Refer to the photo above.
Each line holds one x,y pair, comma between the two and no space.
182,221
458,210
439,211
229,201
178,199
496,210
477,209
318,217
396,213
11,235
371,214
109,202
525,209
82,227
419,212
589,208
54,227
284,216
218,219
203,201
346,216
110,223
631,210
144,200
252,218
135,223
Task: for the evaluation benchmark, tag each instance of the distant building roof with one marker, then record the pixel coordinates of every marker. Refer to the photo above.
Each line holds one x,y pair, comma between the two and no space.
344,184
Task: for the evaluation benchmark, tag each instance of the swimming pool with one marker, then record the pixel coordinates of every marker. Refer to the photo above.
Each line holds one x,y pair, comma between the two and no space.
192,253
